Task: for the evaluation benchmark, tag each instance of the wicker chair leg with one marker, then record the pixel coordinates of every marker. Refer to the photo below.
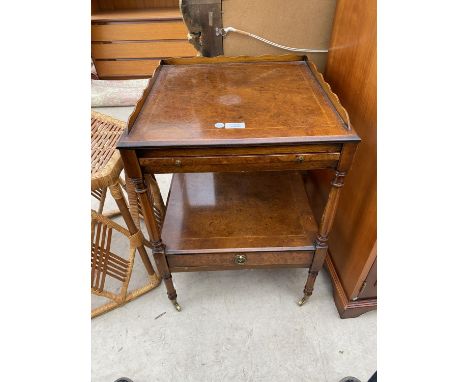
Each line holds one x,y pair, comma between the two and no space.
105,263
104,308
115,213
132,201
122,183
112,214
102,200
134,207
117,194
100,195
154,283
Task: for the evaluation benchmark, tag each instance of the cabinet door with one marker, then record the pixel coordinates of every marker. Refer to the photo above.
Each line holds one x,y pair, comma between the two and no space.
369,288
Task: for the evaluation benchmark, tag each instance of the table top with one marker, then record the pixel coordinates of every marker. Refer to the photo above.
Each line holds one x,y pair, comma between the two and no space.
273,100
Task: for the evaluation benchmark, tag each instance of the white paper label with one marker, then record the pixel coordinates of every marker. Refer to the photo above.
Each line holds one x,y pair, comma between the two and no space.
234,125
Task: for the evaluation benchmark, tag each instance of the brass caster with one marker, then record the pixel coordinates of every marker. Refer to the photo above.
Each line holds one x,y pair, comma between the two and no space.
176,305
303,300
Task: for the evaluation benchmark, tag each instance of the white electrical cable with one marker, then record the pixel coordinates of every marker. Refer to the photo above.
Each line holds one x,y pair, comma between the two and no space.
224,31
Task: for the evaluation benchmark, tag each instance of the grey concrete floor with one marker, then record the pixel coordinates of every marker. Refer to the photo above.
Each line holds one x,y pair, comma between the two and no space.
234,326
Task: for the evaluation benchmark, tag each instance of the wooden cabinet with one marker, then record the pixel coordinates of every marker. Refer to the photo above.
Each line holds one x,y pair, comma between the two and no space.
129,37
351,72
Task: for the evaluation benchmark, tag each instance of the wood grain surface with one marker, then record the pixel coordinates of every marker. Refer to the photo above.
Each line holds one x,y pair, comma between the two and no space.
138,14
352,73
139,31
238,212
142,49
279,102
125,68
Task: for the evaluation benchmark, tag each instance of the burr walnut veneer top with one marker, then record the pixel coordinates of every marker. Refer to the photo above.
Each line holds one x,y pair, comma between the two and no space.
279,102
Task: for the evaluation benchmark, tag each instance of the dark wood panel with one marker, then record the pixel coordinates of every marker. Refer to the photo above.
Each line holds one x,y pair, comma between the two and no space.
94,6
347,308
240,162
299,259
252,150
369,288
352,73
235,267
236,167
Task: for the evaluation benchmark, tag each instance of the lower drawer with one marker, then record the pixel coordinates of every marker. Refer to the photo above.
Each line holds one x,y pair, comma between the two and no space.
219,261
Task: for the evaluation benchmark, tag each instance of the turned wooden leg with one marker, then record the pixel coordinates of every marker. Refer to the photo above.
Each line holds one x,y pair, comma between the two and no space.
317,263
102,200
321,242
155,239
134,173
136,177
117,194
161,263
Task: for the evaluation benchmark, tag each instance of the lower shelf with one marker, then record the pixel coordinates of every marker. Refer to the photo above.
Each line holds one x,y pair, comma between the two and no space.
214,218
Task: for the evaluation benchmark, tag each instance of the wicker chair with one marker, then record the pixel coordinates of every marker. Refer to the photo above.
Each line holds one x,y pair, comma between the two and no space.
106,166
106,263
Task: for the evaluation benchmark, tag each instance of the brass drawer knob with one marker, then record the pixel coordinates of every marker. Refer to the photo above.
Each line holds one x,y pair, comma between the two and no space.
300,158
178,162
240,259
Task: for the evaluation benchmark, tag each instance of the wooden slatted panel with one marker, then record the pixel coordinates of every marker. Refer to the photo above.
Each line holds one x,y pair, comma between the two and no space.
97,193
126,68
139,31
130,4
110,264
103,261
144,14
143,49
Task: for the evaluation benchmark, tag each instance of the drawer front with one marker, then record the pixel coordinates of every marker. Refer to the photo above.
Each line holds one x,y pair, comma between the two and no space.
126,68
232,151
213,261
139,31
143,49
225,163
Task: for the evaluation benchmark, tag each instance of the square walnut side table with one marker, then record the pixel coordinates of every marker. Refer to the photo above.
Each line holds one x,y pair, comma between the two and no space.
240,135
